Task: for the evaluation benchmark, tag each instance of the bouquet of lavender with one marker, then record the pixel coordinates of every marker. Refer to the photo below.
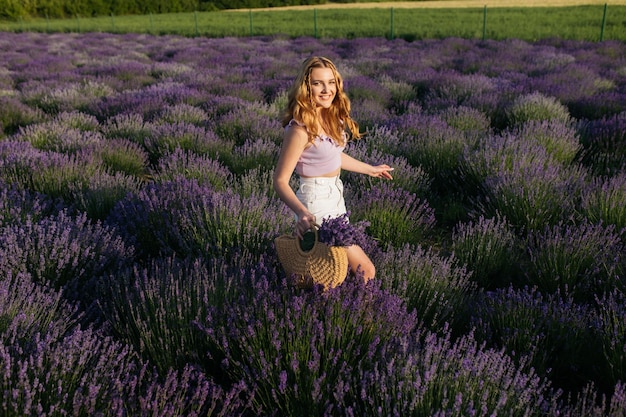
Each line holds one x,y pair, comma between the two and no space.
339,231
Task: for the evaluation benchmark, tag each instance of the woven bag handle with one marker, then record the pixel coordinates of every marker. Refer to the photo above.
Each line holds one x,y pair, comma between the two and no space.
314,228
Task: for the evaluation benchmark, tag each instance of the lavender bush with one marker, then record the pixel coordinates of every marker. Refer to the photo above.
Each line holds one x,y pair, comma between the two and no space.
612,315
28,309
439,377
604,200
63,251
521,181
132,127
190,165
101,193
168,137
154,308
15,114
558,334
124,156
471,121
396,216
537,107
583,259
172,141
559,139
185,218
405,176
429,142
437,288
18,205
299,349
489,249
604,144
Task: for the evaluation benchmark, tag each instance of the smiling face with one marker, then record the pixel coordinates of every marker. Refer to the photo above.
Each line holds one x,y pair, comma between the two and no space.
323,87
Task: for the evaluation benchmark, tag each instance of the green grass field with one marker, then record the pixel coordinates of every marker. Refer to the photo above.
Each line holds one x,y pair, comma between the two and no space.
589,23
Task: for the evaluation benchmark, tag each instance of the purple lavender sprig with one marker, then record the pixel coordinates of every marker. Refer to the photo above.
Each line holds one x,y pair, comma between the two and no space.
339,231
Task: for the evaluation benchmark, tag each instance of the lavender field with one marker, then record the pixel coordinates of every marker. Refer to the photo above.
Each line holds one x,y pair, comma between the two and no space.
137,221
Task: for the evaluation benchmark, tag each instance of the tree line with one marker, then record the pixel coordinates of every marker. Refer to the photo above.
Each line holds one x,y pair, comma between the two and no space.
19,9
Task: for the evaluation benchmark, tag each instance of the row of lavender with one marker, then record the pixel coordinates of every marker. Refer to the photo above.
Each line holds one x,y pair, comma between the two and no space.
137,219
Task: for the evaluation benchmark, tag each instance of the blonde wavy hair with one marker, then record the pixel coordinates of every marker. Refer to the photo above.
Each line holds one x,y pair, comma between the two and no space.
301,106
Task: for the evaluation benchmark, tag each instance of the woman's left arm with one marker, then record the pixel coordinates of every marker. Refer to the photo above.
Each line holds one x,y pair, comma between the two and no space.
351,164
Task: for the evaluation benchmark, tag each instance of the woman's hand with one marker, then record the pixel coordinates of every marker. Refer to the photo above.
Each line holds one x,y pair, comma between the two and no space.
305,222
354,165
381,171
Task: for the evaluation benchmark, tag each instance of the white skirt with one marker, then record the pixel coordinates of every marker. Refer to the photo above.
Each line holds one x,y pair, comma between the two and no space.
322,196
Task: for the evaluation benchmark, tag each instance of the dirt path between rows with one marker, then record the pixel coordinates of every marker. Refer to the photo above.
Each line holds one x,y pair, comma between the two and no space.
455,4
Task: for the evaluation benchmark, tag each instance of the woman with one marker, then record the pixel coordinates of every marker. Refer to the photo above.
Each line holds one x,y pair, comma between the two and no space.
316,119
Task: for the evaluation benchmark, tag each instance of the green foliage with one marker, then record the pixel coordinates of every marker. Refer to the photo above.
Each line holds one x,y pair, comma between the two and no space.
537,107
59,178
525,23
14,113
121,155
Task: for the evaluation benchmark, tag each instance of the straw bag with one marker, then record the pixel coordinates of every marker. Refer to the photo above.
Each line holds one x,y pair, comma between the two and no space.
321,264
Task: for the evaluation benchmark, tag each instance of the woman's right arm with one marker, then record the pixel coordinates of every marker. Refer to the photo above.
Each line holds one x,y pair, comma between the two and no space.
294,143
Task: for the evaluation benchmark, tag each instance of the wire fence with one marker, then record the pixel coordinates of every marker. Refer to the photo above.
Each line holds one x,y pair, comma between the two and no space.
484,23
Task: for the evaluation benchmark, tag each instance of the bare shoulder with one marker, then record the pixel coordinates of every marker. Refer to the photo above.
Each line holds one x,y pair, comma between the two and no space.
296,134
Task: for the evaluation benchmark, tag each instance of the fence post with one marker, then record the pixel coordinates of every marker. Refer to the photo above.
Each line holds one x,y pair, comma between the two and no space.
603,23
485,22
391,23
251,31
315,22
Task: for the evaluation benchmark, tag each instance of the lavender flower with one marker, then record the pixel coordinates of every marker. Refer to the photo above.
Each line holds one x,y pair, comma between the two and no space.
18,205
339,231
